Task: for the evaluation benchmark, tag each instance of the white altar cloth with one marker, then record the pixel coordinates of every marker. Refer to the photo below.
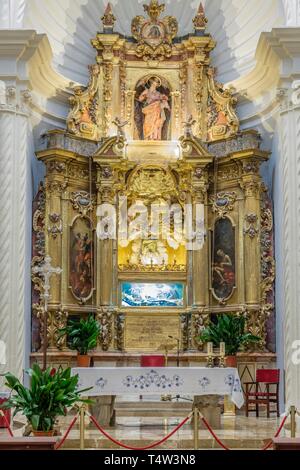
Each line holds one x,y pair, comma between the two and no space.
161,380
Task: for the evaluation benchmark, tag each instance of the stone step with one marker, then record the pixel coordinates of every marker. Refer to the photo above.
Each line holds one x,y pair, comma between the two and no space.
181,443
152,409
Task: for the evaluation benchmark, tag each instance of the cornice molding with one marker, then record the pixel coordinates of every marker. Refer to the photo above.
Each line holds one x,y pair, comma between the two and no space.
276,57
26,61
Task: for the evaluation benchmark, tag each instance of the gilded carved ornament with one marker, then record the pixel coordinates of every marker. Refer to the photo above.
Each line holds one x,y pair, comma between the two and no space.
82,202
251,225
56,227
108,19
105,318
200,21
222,119
154,36
223,203
151,183
83,117
267,254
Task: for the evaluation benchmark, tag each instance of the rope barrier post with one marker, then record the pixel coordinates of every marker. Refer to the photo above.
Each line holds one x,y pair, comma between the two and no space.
82,426
196,428
293,412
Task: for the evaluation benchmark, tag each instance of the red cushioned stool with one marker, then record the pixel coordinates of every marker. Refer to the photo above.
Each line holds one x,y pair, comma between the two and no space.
153,361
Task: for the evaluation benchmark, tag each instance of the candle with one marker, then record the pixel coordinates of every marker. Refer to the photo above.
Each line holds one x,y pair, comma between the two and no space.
222,349
210,349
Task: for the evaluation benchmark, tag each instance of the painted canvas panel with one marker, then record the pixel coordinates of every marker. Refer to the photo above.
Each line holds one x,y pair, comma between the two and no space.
81,258
137,294
223,266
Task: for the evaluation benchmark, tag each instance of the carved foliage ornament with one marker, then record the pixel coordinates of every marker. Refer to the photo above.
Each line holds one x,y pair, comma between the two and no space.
223,203
154,35
82,202
251,225
82,119
222,118
105,319
267,254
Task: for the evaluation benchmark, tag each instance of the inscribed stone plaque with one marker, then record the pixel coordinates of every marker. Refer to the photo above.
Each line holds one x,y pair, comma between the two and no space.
148,333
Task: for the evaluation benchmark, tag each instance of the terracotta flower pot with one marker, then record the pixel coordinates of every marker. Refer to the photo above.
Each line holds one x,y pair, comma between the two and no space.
231,361
43,433
83,361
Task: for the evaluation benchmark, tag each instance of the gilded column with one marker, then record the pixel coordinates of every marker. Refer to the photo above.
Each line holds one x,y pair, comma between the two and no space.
56,184
106,234
200,251
251,185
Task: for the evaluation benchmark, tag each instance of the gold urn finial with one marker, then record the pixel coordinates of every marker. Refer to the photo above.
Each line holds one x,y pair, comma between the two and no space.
108,19
154,10
200,21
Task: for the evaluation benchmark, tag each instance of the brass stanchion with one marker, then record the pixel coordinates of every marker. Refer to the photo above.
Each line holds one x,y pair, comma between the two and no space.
196,428
293,412
82,427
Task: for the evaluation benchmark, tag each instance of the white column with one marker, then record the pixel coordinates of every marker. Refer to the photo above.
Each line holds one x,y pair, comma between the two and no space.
289,184
292,12
12,13
15,221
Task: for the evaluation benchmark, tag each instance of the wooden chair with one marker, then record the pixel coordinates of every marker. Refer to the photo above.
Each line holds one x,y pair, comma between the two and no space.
264,391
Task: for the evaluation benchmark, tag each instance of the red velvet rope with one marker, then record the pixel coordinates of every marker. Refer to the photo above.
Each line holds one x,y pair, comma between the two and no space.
151,446
213,434
227,448
62,441
277,434
7,424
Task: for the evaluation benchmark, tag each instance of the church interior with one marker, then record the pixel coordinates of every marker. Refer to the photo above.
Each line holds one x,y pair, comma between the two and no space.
149,182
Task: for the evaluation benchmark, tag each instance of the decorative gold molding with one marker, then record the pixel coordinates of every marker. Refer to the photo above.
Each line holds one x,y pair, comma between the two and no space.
154,37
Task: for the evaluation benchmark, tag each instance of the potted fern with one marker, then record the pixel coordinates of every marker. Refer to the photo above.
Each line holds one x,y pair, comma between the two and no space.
82,336
49,396
231,330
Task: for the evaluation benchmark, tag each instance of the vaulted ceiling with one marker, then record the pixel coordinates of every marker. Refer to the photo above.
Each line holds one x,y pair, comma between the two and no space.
235,24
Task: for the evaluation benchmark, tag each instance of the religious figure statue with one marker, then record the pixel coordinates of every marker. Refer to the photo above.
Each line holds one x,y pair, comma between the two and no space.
188,127
155,110
120,126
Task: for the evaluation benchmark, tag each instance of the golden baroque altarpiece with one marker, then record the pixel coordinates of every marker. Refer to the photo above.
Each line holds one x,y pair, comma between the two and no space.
153,125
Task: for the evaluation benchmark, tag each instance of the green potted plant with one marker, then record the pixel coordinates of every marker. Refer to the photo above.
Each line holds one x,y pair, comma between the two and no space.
49,396
229,329
82,336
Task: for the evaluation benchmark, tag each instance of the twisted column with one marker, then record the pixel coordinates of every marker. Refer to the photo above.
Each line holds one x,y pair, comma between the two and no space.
14,260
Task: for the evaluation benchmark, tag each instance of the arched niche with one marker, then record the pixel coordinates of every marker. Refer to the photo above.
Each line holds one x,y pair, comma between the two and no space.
152,109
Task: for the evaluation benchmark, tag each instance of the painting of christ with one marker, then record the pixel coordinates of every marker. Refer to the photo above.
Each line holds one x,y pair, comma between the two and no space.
81,259
152,110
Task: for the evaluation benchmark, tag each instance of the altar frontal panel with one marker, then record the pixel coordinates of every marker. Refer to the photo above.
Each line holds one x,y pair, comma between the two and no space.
150,333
